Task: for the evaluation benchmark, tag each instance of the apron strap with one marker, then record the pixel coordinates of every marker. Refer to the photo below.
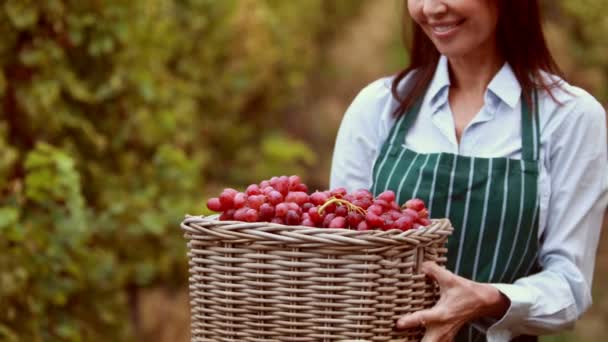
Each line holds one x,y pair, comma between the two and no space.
530,132
404,123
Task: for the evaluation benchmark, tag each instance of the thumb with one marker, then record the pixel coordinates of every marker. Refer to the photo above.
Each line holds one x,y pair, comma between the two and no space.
441,275
419,319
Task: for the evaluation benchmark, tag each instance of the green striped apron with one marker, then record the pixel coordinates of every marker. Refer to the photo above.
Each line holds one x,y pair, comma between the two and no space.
493,203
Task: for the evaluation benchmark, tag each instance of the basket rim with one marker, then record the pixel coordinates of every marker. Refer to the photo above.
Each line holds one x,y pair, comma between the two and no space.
209,227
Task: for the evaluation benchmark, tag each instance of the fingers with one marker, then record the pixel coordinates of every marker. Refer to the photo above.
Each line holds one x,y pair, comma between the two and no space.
412,320
438,334
438,273
419,319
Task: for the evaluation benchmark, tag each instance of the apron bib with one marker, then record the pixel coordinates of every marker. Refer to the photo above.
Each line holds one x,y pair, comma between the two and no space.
493,203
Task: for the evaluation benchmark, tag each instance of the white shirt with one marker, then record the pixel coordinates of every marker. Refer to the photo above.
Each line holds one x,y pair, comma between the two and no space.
572,180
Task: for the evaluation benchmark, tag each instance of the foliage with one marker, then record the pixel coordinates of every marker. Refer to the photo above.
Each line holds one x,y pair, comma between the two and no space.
578,34
116,116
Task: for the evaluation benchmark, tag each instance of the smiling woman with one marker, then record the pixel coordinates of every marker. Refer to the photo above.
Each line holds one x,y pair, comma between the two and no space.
468,25
482,126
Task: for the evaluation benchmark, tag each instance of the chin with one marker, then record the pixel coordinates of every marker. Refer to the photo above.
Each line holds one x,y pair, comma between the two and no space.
453,51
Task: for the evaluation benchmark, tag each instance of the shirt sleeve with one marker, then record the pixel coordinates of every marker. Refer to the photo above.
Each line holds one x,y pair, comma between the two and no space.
556,297
359,137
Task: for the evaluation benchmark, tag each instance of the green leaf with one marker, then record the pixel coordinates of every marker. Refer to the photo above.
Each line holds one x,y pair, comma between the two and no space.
8,217
7,334
22,13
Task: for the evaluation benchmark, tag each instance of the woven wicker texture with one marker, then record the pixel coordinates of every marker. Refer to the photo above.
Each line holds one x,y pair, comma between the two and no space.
268,282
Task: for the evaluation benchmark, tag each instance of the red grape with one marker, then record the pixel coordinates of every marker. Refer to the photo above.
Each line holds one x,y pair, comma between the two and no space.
306,206
275,197
373,220
253,189
264,184
227,215
339,192
295,207
281,209
362,193
278,220
424,221
395,214
294,181
266,212
337,222
282,186
341,211
314,215
227,198
251,215
273,181
292,217
239,200
384,204
240,214
410,212
255,201
354,218
362,226
318,198
415,204
424,213
404,222
388,221
375,209
387,196
330,208
308,223
301,187
298,197
214,204
363,203
328,218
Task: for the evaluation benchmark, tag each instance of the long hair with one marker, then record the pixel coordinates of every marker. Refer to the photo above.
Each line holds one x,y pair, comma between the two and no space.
521,43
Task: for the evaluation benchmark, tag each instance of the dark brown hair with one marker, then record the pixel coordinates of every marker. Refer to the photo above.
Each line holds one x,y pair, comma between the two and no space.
521,43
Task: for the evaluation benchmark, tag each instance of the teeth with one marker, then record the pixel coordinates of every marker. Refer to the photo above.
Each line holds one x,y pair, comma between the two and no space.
443,28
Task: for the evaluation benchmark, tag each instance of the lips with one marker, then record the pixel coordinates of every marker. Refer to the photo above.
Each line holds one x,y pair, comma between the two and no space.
443,29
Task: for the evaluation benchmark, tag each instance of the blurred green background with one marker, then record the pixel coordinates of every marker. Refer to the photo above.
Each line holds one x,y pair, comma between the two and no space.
119,117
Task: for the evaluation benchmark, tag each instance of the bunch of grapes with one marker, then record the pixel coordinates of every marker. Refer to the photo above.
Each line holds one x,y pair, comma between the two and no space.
285,200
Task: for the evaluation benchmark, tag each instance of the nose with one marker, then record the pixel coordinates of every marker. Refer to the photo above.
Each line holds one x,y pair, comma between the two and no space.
434,8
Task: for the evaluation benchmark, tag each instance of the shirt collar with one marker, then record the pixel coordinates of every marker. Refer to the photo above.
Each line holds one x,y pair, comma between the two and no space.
504,85
440,82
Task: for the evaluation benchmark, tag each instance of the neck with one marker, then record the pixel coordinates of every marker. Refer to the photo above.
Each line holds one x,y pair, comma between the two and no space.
473,72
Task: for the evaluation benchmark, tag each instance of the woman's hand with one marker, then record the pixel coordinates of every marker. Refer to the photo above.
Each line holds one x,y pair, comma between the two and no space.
461,301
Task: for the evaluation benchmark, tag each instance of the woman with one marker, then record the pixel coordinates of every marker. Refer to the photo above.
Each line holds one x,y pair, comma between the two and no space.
481,127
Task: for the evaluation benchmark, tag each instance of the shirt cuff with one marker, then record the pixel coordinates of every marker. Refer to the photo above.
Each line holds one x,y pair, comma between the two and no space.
521,300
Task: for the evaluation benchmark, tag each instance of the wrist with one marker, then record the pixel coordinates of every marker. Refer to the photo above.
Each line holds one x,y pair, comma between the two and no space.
494,303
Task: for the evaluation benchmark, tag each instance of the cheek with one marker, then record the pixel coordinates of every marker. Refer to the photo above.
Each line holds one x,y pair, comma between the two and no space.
414,8
483,29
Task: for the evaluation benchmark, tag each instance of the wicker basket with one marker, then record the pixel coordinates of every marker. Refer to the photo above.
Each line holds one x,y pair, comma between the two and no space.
269,282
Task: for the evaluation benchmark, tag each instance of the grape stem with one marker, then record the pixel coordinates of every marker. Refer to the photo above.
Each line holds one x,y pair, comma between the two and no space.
349,206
